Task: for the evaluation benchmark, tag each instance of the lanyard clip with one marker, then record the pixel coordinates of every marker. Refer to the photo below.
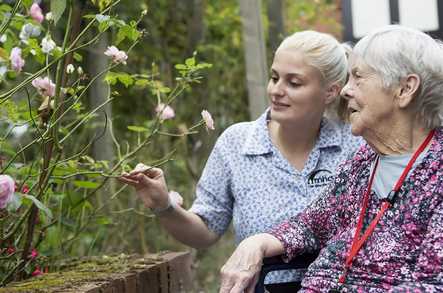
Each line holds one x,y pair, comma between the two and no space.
391,196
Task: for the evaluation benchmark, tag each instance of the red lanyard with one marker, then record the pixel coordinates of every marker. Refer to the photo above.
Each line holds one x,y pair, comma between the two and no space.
357,242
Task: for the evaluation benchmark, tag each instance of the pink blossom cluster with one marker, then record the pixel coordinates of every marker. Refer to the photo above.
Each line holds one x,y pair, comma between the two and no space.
44,86
7,187
208,120
164,111
17,62
36,13
117,55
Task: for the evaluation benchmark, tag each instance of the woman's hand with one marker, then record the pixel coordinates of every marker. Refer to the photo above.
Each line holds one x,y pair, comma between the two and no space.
241,271
150,185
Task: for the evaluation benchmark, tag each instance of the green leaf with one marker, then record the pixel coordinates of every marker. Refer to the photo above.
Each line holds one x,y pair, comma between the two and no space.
57,9
127,32
137,128
125,79
103,26
180,67
190,62
28,3
89,16
38,204
57,52
104,220
111,78
142,82
86,184
78,57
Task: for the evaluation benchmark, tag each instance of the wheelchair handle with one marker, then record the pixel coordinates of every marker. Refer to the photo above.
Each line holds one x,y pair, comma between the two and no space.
276,263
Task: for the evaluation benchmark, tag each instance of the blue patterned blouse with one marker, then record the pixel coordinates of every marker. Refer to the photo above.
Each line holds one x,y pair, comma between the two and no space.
246,179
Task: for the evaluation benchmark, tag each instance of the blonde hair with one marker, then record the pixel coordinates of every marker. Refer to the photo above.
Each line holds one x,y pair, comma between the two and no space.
325,53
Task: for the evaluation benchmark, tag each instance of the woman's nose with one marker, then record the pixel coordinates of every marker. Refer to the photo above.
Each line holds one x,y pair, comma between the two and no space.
346,91
276,88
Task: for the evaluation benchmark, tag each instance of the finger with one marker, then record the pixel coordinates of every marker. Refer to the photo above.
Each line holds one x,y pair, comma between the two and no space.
140,168
128,181
251,286
154,172
240,286
143,179
225,286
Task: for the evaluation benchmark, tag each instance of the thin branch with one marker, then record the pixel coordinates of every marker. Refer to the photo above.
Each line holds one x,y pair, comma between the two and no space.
8,20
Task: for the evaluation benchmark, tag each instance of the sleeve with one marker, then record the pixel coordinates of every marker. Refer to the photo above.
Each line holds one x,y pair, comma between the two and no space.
312,228
214,200
428,273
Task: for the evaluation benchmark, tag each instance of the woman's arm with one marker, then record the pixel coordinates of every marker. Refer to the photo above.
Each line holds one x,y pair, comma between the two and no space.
183,225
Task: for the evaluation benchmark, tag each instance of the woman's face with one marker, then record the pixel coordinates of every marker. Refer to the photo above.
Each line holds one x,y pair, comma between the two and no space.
370,105
296,90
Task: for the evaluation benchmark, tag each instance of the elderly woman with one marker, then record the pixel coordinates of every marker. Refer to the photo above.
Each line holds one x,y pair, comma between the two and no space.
379,227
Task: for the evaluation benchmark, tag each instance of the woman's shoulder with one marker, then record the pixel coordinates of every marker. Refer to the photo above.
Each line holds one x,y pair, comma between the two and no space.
234,137
237,131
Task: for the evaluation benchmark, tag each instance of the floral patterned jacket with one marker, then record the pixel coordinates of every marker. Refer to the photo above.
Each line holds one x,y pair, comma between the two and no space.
404,252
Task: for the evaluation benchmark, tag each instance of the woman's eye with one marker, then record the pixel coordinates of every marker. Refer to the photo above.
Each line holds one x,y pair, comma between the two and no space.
294,84
274,79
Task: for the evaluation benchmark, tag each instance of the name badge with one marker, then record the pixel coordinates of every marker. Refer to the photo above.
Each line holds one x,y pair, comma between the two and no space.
319,178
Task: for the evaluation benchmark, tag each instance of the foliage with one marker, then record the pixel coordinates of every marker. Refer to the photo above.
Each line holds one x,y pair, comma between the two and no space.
55,205
320,15
91,213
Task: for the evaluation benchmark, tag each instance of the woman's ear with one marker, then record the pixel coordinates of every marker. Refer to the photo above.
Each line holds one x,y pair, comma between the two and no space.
408,89
332,92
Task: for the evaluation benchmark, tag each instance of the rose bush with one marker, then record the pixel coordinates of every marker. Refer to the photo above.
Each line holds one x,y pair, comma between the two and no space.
48,178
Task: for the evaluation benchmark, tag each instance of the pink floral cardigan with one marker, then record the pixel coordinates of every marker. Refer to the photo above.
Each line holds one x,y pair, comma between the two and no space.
405,251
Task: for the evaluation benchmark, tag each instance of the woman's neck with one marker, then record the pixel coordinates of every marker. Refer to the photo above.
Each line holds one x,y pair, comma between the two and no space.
399,138
295,142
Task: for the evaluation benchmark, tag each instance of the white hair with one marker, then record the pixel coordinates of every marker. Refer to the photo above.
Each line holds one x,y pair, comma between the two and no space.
325,53
395,51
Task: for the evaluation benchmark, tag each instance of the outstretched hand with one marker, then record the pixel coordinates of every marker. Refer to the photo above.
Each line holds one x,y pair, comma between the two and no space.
150,185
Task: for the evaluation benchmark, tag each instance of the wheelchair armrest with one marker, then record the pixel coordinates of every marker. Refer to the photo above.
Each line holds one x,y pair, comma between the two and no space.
276,263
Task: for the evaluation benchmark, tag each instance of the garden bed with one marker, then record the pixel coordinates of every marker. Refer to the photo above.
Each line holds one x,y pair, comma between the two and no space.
163,273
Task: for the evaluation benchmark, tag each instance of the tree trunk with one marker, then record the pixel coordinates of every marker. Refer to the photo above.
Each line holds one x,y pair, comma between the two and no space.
255,56
195,24
276,23
102,149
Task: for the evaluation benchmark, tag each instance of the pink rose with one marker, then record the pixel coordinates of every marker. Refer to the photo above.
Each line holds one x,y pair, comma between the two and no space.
7,187
208,120
34,253
36,13
37,272
44,86
164,111
17,62
117,55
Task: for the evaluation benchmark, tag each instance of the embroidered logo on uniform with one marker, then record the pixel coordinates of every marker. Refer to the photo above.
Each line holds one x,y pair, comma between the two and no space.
320,178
